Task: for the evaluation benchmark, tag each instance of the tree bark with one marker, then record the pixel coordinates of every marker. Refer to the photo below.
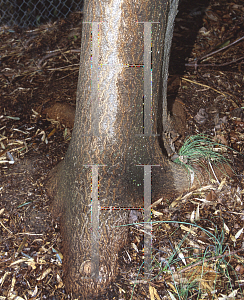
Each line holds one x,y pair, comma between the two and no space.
108,132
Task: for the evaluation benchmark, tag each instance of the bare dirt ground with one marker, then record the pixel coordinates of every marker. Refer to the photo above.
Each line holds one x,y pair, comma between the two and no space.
39,68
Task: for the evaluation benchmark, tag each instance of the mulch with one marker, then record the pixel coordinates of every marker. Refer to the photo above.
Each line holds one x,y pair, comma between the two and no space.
39,69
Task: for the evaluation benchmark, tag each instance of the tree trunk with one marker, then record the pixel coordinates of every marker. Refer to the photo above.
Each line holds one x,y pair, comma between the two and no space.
108,134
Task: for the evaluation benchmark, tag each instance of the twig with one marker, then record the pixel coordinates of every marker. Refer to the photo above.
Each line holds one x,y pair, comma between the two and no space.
205,260
9,231
70,67
221,49
214,173
207,86
39,65
195,63
54,53
194,265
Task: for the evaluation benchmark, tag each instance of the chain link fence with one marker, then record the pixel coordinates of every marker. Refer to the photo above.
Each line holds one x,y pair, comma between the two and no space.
25,13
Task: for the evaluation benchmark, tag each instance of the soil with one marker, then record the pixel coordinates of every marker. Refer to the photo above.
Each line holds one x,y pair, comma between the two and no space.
38,80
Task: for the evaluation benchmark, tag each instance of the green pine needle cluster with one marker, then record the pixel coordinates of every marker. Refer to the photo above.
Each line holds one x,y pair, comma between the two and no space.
200,150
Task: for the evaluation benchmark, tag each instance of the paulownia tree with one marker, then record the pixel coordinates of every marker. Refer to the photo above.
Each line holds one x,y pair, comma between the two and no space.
121,112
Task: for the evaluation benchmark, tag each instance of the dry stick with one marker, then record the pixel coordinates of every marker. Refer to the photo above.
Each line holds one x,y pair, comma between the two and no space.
55,53
207,86
197,264
205,260
194,64
213,53
39,65
217,51
65,68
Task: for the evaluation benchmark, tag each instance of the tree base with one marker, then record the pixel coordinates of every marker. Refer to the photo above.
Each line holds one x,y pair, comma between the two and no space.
78,265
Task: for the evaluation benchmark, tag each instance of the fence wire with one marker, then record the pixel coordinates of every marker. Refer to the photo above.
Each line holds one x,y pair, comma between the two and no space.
26,13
